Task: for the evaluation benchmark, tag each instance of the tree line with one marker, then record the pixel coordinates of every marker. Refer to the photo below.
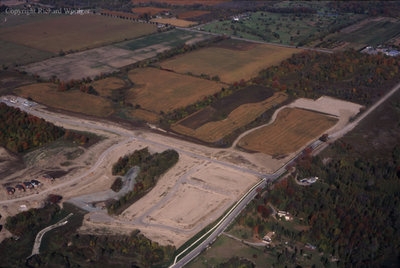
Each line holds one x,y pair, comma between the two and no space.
20,131
347,75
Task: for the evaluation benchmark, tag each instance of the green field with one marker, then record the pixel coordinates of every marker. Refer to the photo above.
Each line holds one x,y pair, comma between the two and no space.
289,29
12,54
373,33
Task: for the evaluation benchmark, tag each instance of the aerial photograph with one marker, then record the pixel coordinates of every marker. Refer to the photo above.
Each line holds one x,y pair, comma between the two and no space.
199,133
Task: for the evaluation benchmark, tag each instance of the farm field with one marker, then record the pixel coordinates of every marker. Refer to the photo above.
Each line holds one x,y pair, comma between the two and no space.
231,60
108,59
282,28
175,22
369,32
292,129
12,54
106,86
73,100
164,41
99,30
214,131
149,10
192,14
169,91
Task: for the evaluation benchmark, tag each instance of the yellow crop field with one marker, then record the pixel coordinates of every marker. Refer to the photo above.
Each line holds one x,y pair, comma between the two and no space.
241,116
175,22
157,90
73,100
232,60
292,129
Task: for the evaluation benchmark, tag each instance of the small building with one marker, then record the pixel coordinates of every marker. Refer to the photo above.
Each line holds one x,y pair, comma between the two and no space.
267,239
10,190
284,214
20,187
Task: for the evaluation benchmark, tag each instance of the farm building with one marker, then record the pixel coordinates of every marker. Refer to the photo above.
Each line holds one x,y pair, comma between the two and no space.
284,214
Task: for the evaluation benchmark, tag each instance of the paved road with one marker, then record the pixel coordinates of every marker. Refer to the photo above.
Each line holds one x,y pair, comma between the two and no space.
39,236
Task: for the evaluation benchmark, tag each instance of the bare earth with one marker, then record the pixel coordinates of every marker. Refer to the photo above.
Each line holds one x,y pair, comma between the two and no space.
191,195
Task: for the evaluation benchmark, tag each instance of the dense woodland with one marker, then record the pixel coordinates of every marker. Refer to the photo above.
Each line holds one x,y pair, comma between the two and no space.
64,247
354,211
20,131
151,167
347,75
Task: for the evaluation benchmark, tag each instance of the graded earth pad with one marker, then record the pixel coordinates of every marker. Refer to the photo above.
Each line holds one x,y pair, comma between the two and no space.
230,60
187,198
291,130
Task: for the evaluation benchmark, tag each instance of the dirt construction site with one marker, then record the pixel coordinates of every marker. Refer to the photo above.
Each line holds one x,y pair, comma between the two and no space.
194,193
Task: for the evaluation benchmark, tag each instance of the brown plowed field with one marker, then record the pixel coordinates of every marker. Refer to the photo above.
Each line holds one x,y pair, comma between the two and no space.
292,129
192,14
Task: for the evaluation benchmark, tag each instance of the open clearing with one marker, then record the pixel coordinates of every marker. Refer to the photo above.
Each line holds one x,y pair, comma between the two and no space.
241,116
108,59
175,22
66,32
231,60
73,100
169,91
292,129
